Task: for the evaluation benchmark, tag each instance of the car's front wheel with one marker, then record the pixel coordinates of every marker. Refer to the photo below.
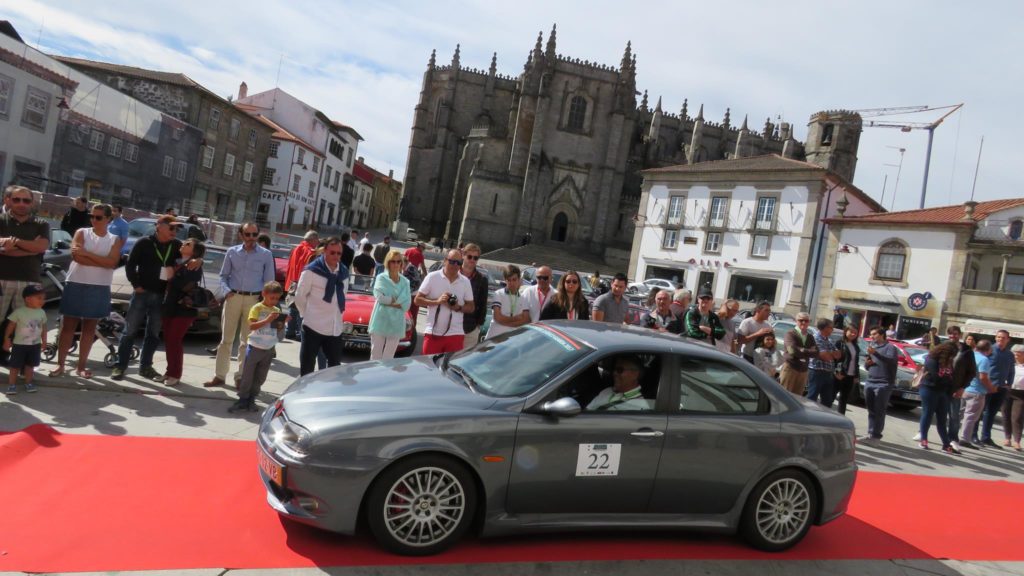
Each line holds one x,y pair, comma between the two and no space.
779,511
421,505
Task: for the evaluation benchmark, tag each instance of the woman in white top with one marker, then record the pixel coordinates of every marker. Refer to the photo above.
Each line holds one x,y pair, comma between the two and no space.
1017,396
86,298
510,308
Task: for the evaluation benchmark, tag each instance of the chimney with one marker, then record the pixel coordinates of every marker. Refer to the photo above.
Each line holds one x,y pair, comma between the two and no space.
969,209
391,174
360,160
243,90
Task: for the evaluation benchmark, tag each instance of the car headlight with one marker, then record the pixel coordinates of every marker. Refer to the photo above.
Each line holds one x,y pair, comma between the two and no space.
347,328
408,323
290,438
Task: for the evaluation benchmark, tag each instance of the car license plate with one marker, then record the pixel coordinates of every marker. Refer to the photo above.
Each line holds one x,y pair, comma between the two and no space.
272,469
203,315
908,395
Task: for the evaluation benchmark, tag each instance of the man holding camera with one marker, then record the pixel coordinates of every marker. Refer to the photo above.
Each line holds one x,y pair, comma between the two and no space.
447,295
660,317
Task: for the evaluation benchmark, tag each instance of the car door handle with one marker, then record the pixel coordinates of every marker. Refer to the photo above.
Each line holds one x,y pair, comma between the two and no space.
647,433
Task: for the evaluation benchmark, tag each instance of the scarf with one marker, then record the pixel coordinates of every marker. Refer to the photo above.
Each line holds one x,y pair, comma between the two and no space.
335,282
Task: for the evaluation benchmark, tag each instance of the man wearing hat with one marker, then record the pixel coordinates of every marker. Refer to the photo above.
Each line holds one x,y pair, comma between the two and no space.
701,322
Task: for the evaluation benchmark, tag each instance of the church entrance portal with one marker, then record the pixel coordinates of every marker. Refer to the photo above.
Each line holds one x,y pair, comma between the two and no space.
560,227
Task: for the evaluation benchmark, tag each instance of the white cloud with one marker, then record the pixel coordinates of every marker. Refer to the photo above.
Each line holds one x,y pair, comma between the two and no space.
362,63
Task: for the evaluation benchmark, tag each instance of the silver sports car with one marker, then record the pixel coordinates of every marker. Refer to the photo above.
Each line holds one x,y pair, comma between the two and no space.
555,426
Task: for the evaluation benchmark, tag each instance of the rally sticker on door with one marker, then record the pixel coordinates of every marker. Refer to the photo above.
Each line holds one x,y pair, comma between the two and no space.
598,460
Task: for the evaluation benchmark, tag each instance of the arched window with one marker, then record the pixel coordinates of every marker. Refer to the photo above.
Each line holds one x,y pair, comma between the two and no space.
891,262
1016,227
560,227
577,113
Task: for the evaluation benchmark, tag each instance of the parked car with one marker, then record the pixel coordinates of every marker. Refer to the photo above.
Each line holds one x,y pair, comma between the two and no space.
421,449
911,355
903,397
411,235
645,286
146,226
59,255
359,302
529,276
282,252
208,318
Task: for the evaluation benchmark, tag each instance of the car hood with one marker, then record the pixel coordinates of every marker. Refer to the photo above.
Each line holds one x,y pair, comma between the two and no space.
358,308
405,384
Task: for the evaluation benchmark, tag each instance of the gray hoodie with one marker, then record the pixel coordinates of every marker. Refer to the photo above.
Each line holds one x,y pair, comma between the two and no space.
883,371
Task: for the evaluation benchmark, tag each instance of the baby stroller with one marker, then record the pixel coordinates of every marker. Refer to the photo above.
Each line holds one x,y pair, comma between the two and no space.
108,330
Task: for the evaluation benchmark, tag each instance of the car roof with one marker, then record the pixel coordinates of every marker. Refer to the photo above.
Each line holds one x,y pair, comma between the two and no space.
620,337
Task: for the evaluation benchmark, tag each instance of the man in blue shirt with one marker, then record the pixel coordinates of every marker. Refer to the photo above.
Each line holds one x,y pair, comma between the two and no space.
118,226
1002,376
881,365
973,401
247,268
821,378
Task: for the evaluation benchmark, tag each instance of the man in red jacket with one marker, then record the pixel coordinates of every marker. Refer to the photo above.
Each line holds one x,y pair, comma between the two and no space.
300,257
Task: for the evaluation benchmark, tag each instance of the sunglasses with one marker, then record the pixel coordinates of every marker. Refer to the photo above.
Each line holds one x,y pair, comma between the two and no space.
455,262
572,281
97,216
469,257
20,200
250,234
543,277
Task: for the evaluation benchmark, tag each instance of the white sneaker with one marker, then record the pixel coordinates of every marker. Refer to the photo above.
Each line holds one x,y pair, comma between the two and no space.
917,437
955,445
169,381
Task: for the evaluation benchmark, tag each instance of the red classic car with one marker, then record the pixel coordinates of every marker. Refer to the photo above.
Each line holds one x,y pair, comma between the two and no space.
359,303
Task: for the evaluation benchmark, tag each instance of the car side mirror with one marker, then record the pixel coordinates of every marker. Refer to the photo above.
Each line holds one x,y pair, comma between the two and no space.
561,407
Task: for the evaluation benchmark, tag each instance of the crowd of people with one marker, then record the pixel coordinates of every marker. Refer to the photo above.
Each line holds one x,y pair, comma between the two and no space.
963,384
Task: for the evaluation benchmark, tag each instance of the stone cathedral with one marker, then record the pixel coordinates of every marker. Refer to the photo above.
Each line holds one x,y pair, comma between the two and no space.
556,152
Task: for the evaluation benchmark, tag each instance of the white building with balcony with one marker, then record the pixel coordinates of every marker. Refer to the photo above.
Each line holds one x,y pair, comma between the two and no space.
291,180
960,264
334,143
747,228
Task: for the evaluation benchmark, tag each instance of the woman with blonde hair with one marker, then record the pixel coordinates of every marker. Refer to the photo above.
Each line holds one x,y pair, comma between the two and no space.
568,301
387,323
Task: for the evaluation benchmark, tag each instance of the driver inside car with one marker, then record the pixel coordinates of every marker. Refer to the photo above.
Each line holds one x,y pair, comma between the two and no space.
625,392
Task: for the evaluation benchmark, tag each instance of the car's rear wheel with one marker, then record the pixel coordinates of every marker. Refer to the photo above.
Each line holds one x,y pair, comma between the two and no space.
421,505
779,511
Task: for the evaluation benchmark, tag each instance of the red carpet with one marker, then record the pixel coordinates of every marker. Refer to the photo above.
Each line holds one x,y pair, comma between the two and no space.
97,503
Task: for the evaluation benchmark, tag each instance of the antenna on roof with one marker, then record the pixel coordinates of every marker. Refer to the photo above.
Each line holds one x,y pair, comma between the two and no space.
277,81
976,166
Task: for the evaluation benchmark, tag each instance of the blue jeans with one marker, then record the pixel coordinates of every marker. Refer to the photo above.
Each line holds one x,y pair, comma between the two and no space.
876,398
143,308
294,329
953,431
821,386
934,402
993,404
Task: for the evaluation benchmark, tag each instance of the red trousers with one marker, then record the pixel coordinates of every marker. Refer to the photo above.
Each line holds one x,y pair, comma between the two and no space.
438,344
175,328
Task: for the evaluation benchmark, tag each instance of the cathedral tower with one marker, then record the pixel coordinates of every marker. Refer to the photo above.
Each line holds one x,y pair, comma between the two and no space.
832,140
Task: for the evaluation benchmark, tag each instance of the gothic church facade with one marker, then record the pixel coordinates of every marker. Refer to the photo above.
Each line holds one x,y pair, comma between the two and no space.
556,152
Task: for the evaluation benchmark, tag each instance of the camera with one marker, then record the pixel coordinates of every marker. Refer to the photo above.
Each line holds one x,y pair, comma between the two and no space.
453,300
651,322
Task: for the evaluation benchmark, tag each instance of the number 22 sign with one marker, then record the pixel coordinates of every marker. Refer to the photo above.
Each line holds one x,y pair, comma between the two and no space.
598,460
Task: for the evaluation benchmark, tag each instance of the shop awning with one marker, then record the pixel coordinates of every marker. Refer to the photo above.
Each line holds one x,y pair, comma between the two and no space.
679,264
873,305
757,273
989,327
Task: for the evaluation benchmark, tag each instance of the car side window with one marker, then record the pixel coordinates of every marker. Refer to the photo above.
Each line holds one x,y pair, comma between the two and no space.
711,387
638,375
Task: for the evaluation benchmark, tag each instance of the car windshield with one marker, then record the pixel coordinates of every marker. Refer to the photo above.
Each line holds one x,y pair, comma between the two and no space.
360,284
916,354
213,261
537,352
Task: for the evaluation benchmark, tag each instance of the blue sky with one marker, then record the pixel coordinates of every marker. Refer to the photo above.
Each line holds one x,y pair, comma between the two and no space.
362,63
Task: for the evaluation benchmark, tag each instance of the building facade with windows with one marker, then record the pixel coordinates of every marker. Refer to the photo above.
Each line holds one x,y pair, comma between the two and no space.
961,264
362,195
30,90
335,145
556,151
290,181
234,145
747,228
